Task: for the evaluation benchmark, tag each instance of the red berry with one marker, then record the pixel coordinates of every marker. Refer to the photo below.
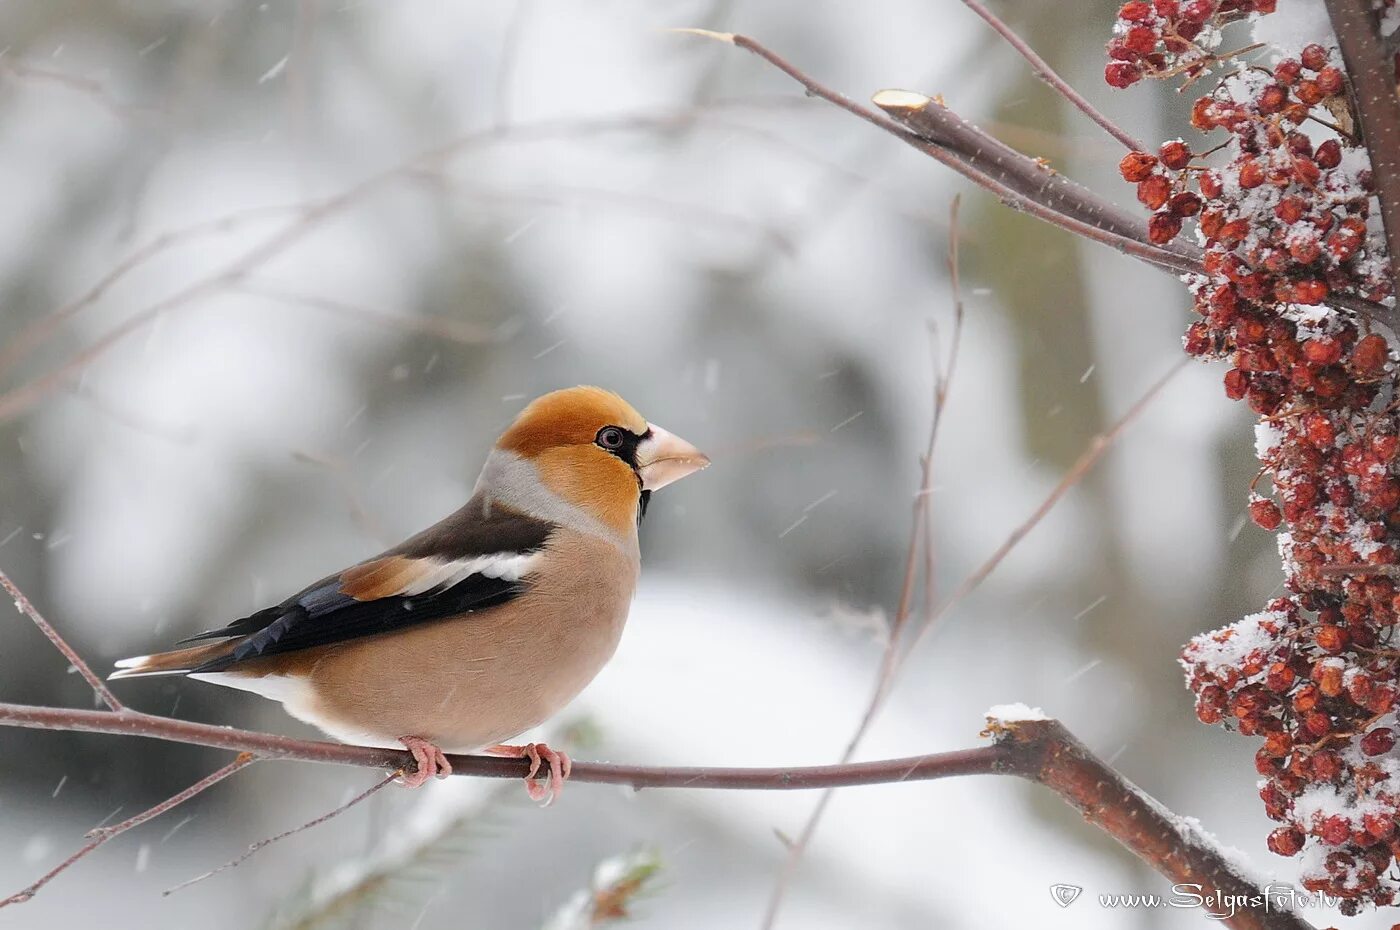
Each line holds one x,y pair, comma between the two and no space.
1120,74
1236,384
1198,11
1330,81
1324,350
1314,57
1309,93
1332,639
1379,826
1175,154
1370,355
1329,154
1272,99
1335,830
1319,430
1137,166
1378,742
1286,841
1251,174
1163,227
1154,191
1140,39
1186,204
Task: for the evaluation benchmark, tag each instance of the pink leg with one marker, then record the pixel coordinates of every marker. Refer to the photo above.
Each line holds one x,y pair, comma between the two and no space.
560,765
431,762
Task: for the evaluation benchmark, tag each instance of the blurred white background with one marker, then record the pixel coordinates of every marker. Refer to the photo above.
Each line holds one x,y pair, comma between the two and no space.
562,193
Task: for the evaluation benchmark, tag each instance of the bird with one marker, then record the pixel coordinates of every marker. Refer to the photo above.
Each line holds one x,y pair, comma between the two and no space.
482,626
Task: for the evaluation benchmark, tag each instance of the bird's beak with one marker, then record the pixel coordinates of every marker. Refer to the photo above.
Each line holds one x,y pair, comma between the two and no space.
663,458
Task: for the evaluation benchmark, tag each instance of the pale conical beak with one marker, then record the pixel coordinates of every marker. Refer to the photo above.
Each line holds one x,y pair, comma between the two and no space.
663,458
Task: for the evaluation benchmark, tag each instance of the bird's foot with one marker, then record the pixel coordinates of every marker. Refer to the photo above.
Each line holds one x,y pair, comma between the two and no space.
560,765
432,763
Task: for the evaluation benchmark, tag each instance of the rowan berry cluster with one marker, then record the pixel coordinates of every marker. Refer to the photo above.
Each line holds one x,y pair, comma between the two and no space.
1163,38
1284,212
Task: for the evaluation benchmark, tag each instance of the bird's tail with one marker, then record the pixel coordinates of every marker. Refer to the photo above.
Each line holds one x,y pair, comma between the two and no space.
176,662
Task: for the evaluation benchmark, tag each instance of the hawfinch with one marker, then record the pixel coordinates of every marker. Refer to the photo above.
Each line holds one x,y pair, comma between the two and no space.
481,626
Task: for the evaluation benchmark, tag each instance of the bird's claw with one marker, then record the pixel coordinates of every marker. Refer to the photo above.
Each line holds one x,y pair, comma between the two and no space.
560,765
432,762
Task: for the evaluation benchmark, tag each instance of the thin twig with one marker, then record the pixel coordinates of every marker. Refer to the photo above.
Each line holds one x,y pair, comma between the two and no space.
1098,446
24,606
100,835
262,844
461,332
45,326
894,659
920,533
1047,74
143,116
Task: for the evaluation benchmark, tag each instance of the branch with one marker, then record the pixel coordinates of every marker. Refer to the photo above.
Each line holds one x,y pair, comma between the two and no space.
1040,751
270,746
1021,182
1047,74
1372,75
1043,751
100,835
1097,448
23,605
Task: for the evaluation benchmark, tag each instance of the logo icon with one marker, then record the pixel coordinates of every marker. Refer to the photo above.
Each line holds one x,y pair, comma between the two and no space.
1065,895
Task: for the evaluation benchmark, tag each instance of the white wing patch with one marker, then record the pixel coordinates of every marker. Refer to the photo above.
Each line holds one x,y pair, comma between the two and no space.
440,574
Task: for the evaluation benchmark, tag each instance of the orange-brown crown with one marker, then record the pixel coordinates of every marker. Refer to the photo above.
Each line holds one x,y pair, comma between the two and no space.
570,417
558,432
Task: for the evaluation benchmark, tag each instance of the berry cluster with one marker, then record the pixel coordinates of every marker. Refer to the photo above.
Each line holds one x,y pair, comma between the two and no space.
1285,215
1163,38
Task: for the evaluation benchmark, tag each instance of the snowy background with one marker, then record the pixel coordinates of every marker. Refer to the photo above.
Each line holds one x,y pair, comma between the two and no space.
561,193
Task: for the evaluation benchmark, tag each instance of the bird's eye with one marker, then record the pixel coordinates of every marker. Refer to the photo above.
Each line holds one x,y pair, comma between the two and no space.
610,438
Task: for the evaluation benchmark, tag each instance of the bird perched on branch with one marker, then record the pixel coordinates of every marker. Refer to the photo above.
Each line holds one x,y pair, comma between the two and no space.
482,626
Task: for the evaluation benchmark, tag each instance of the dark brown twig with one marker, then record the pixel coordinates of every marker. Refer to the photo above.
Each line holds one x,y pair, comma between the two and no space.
1047,74
24,606
1372,74
100,835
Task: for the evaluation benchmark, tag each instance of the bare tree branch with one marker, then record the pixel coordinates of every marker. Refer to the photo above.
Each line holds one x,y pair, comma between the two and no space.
1018,180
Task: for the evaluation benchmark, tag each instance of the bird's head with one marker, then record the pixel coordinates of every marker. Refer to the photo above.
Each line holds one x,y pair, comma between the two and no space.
592,449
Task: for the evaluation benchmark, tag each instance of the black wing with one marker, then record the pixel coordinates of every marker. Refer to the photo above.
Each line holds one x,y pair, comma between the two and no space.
477,558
